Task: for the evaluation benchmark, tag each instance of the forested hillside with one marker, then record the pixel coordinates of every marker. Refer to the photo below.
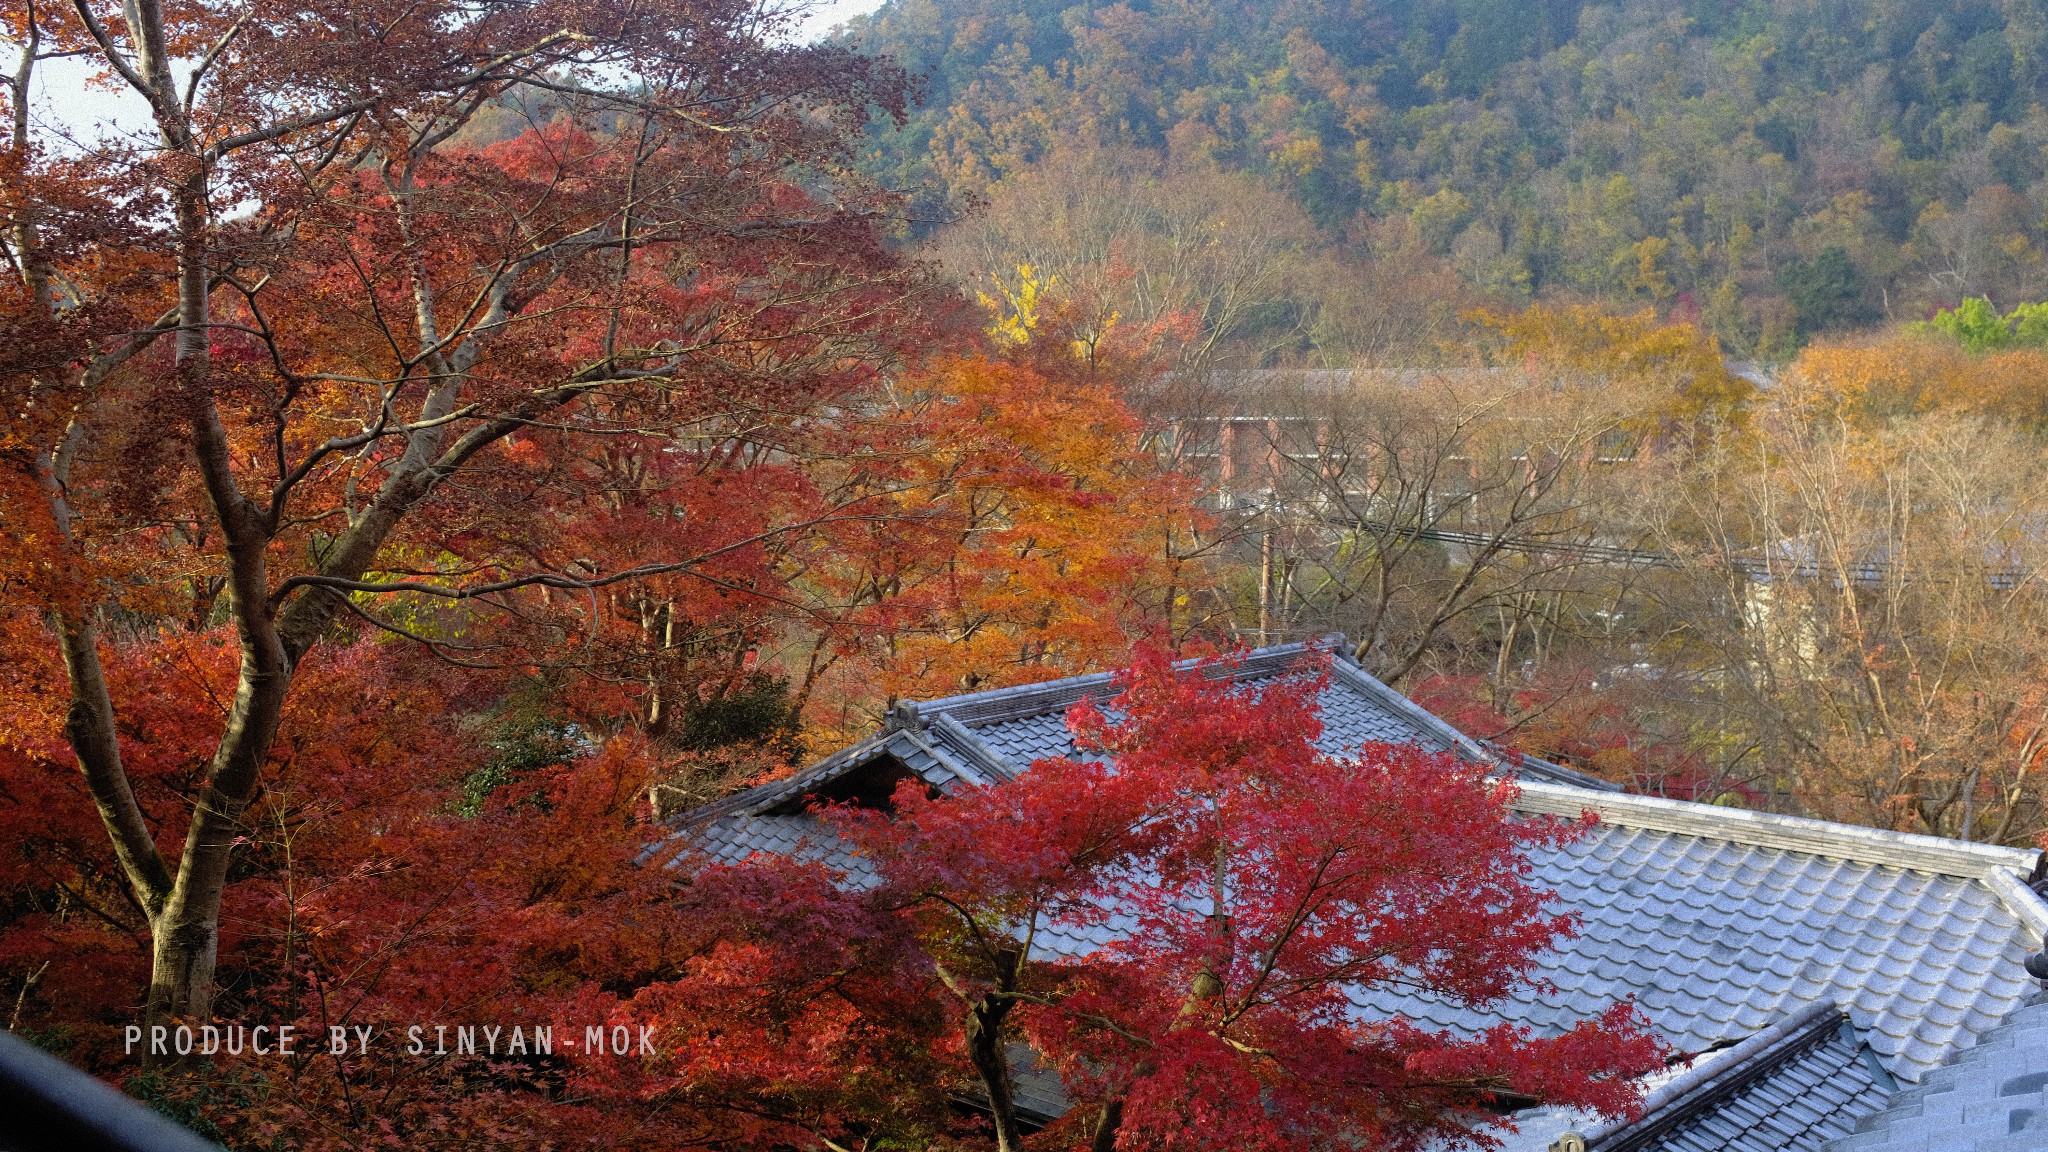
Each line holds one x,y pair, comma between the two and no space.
1775,168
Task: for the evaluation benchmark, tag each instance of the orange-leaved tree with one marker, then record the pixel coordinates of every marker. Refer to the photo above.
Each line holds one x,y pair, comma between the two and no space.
1678,365
1036,530
1900,374
1051,537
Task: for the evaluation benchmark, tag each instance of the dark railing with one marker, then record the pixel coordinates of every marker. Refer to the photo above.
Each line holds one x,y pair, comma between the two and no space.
47,1105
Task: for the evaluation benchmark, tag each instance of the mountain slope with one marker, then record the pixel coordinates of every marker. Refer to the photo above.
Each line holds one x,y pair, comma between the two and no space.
1778,167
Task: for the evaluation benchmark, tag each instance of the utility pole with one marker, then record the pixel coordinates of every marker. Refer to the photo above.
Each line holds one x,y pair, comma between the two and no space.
1266,585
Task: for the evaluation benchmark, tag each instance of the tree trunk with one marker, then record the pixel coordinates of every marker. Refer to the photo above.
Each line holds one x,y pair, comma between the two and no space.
988,1052
186,929
181,899
89,729
985,1048
1108,1123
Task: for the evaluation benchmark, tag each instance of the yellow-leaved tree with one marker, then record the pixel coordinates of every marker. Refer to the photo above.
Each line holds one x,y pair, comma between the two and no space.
1908,373
1681,364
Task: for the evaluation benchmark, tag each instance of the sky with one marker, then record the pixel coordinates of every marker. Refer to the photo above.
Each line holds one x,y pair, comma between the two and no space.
829,12
64,97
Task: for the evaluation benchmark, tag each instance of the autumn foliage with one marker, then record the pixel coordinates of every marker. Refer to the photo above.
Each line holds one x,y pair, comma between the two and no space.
789,1006
368,895
1591,719
1905,374
1182,923
1036,537
1677,364
446,429
454,438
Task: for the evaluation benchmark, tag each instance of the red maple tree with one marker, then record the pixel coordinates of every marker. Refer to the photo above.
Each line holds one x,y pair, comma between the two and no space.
1182,921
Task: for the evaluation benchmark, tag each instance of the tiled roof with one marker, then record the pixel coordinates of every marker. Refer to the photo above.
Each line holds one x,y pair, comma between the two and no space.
1041,1097
1992,1097
1791,1088
1716,937
1796,1106
1720,930
1722,925
1027,723
731,839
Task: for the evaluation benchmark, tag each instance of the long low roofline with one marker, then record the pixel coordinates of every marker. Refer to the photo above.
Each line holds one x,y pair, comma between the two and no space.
2002,869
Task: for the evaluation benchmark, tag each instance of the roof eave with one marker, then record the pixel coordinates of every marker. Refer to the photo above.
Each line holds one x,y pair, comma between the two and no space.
1934,854
1716,1078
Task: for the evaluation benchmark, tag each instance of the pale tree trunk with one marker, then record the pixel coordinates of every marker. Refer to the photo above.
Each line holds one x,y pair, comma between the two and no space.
183,907
89,723
184,912
186,929
1108,1122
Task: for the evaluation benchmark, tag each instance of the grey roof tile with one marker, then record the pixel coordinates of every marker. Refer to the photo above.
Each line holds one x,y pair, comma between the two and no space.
734,838
1793,1086
1709,957
1986,1097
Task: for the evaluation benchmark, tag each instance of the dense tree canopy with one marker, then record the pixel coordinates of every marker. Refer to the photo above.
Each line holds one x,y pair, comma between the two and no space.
1778,168
443,432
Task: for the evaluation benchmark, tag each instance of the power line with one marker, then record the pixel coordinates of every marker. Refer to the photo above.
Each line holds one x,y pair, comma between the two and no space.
1868,573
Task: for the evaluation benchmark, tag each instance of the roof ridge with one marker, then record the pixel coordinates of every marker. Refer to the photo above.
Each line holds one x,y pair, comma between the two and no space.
1717,1076
756,800
2000,1055
753,795
1428,721
1020,700
1551,772
914,722
1935,854
992,764
1360,680
2020,899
